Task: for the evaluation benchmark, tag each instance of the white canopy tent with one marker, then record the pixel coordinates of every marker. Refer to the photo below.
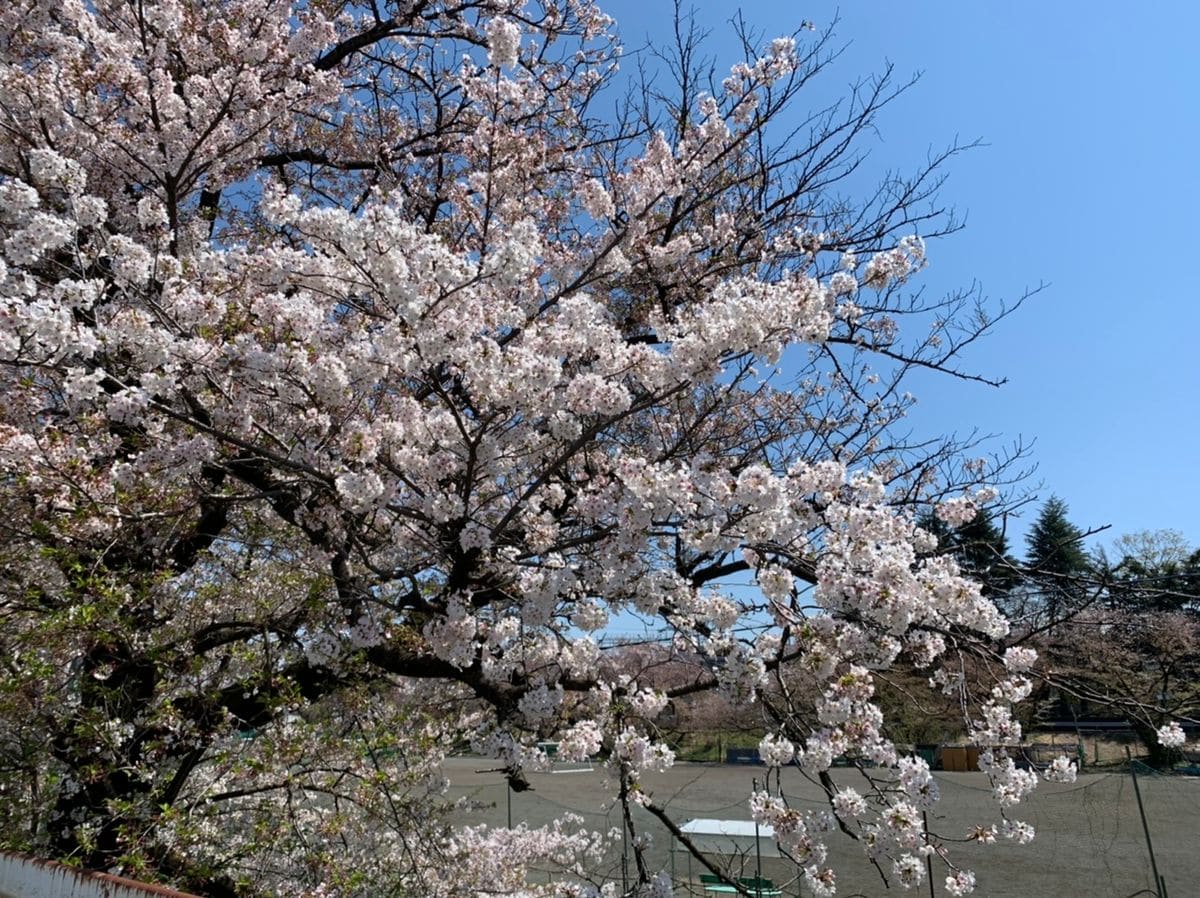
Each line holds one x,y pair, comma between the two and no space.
728,838
712,836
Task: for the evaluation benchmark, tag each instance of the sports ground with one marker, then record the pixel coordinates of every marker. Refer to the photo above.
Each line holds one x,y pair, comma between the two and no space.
1090,837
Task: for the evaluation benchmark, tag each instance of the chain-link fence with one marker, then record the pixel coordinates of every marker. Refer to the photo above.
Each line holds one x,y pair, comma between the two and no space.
1090,834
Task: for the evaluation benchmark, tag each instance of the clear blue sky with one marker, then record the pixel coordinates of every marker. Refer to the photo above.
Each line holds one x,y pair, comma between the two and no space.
1090,182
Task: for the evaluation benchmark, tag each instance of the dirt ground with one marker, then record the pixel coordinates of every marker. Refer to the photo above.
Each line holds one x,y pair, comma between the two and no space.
1090,840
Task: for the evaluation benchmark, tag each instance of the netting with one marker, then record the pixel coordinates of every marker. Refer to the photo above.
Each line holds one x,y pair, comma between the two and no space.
1090,836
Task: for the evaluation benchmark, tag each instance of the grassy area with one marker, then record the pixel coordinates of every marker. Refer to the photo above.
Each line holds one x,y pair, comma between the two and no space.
710,745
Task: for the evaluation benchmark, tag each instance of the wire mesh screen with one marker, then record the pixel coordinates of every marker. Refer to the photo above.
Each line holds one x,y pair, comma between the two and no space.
1090,836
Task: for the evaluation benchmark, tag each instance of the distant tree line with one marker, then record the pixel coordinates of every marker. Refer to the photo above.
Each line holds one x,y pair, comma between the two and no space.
1118,628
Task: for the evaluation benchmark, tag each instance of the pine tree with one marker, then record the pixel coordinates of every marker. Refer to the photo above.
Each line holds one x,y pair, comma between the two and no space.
1055,544
981,549
1055,557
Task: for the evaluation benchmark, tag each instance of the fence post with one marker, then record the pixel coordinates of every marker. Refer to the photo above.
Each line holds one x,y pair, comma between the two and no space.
928,857
625,851
757,849
1137,791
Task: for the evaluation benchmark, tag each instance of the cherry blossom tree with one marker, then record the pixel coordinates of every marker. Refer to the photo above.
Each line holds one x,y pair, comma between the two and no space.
361,361
1139,665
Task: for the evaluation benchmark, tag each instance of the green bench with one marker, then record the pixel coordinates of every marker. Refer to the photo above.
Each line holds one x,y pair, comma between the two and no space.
760,888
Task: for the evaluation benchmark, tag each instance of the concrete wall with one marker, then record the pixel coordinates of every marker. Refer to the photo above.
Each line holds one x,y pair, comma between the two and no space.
27,877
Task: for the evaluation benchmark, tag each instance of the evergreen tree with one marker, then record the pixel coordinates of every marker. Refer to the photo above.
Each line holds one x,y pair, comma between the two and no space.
1055,545
1055,557
981,549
